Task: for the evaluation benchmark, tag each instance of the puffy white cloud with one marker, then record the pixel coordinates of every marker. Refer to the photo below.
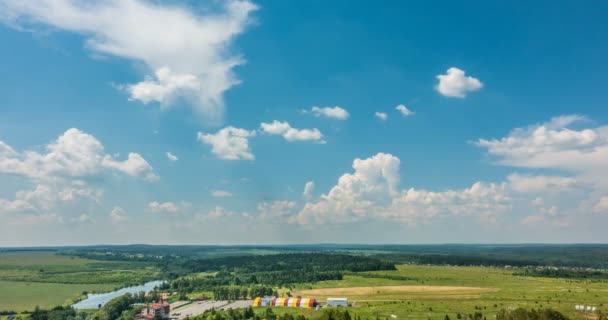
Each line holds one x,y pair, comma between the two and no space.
118,215
221,193
372,192
219,212
135,165
330,112
404,110
529,183
167,207
455,84
381,115
171,156
188,50
280,211
284,129
309,188
553,145
229,143
165,88
74,154
565,144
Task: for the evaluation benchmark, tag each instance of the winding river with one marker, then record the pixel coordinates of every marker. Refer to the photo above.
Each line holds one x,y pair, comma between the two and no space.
93,300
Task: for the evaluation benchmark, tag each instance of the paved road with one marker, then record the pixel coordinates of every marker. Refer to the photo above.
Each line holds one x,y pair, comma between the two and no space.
197,308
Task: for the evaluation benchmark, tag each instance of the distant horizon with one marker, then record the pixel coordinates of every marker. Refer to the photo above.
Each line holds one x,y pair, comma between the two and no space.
312,245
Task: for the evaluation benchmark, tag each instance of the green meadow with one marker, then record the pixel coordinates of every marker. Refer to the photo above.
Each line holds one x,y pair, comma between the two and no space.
434,291
45,279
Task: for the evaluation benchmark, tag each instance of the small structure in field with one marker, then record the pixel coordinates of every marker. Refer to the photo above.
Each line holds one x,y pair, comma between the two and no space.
284,302
337,302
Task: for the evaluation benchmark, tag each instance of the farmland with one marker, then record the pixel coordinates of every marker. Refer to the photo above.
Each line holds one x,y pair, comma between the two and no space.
375,288
434,291
46,279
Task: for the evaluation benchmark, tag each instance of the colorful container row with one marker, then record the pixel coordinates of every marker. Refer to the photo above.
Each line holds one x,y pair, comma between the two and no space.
284,302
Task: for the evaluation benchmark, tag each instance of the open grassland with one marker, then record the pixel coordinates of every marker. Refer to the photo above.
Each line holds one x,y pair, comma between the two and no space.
43,278
394,292
422,292
20,295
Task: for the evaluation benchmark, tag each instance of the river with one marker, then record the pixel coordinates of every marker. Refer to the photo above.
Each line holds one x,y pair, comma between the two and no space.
93,300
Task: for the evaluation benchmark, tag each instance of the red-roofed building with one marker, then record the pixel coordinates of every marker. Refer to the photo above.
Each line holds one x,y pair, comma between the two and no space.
155,311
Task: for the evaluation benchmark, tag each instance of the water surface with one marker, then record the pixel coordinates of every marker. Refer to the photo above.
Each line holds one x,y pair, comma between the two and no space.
93,300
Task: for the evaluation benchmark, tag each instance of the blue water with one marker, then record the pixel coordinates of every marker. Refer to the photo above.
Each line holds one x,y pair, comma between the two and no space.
93,300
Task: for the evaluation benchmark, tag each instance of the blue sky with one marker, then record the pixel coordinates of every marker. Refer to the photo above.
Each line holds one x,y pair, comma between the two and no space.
503,137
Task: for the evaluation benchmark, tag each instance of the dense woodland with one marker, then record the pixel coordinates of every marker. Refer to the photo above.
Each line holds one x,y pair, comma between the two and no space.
575,255
252,276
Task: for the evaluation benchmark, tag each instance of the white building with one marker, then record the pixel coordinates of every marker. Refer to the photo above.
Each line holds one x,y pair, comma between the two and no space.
337,302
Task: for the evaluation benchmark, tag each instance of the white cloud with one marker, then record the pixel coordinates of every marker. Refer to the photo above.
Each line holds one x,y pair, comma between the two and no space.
565,144
221,193
118,215
189,51
330,112
372,192
529,183
229,143
171,156
381,115
85,218
135,165
309,188
165,88
404,110
167,207
554,145
74,154
280,211
284,129
601,205
219,212
455,84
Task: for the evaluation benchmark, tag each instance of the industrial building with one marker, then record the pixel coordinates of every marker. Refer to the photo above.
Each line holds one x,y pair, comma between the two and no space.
284,302
337,302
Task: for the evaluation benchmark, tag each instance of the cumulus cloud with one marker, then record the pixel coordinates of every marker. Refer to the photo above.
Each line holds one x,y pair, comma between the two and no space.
171,156
167,207
75,154
283,128
229,143
330,112
187,52
530,183
455,84
372,192
601,205
281,211
219,212
309,188
118,215
381,115
553,145
221,193
566,144
404,110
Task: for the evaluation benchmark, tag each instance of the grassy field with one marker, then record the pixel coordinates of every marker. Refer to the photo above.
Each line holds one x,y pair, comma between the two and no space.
20,295
42,278
434,291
